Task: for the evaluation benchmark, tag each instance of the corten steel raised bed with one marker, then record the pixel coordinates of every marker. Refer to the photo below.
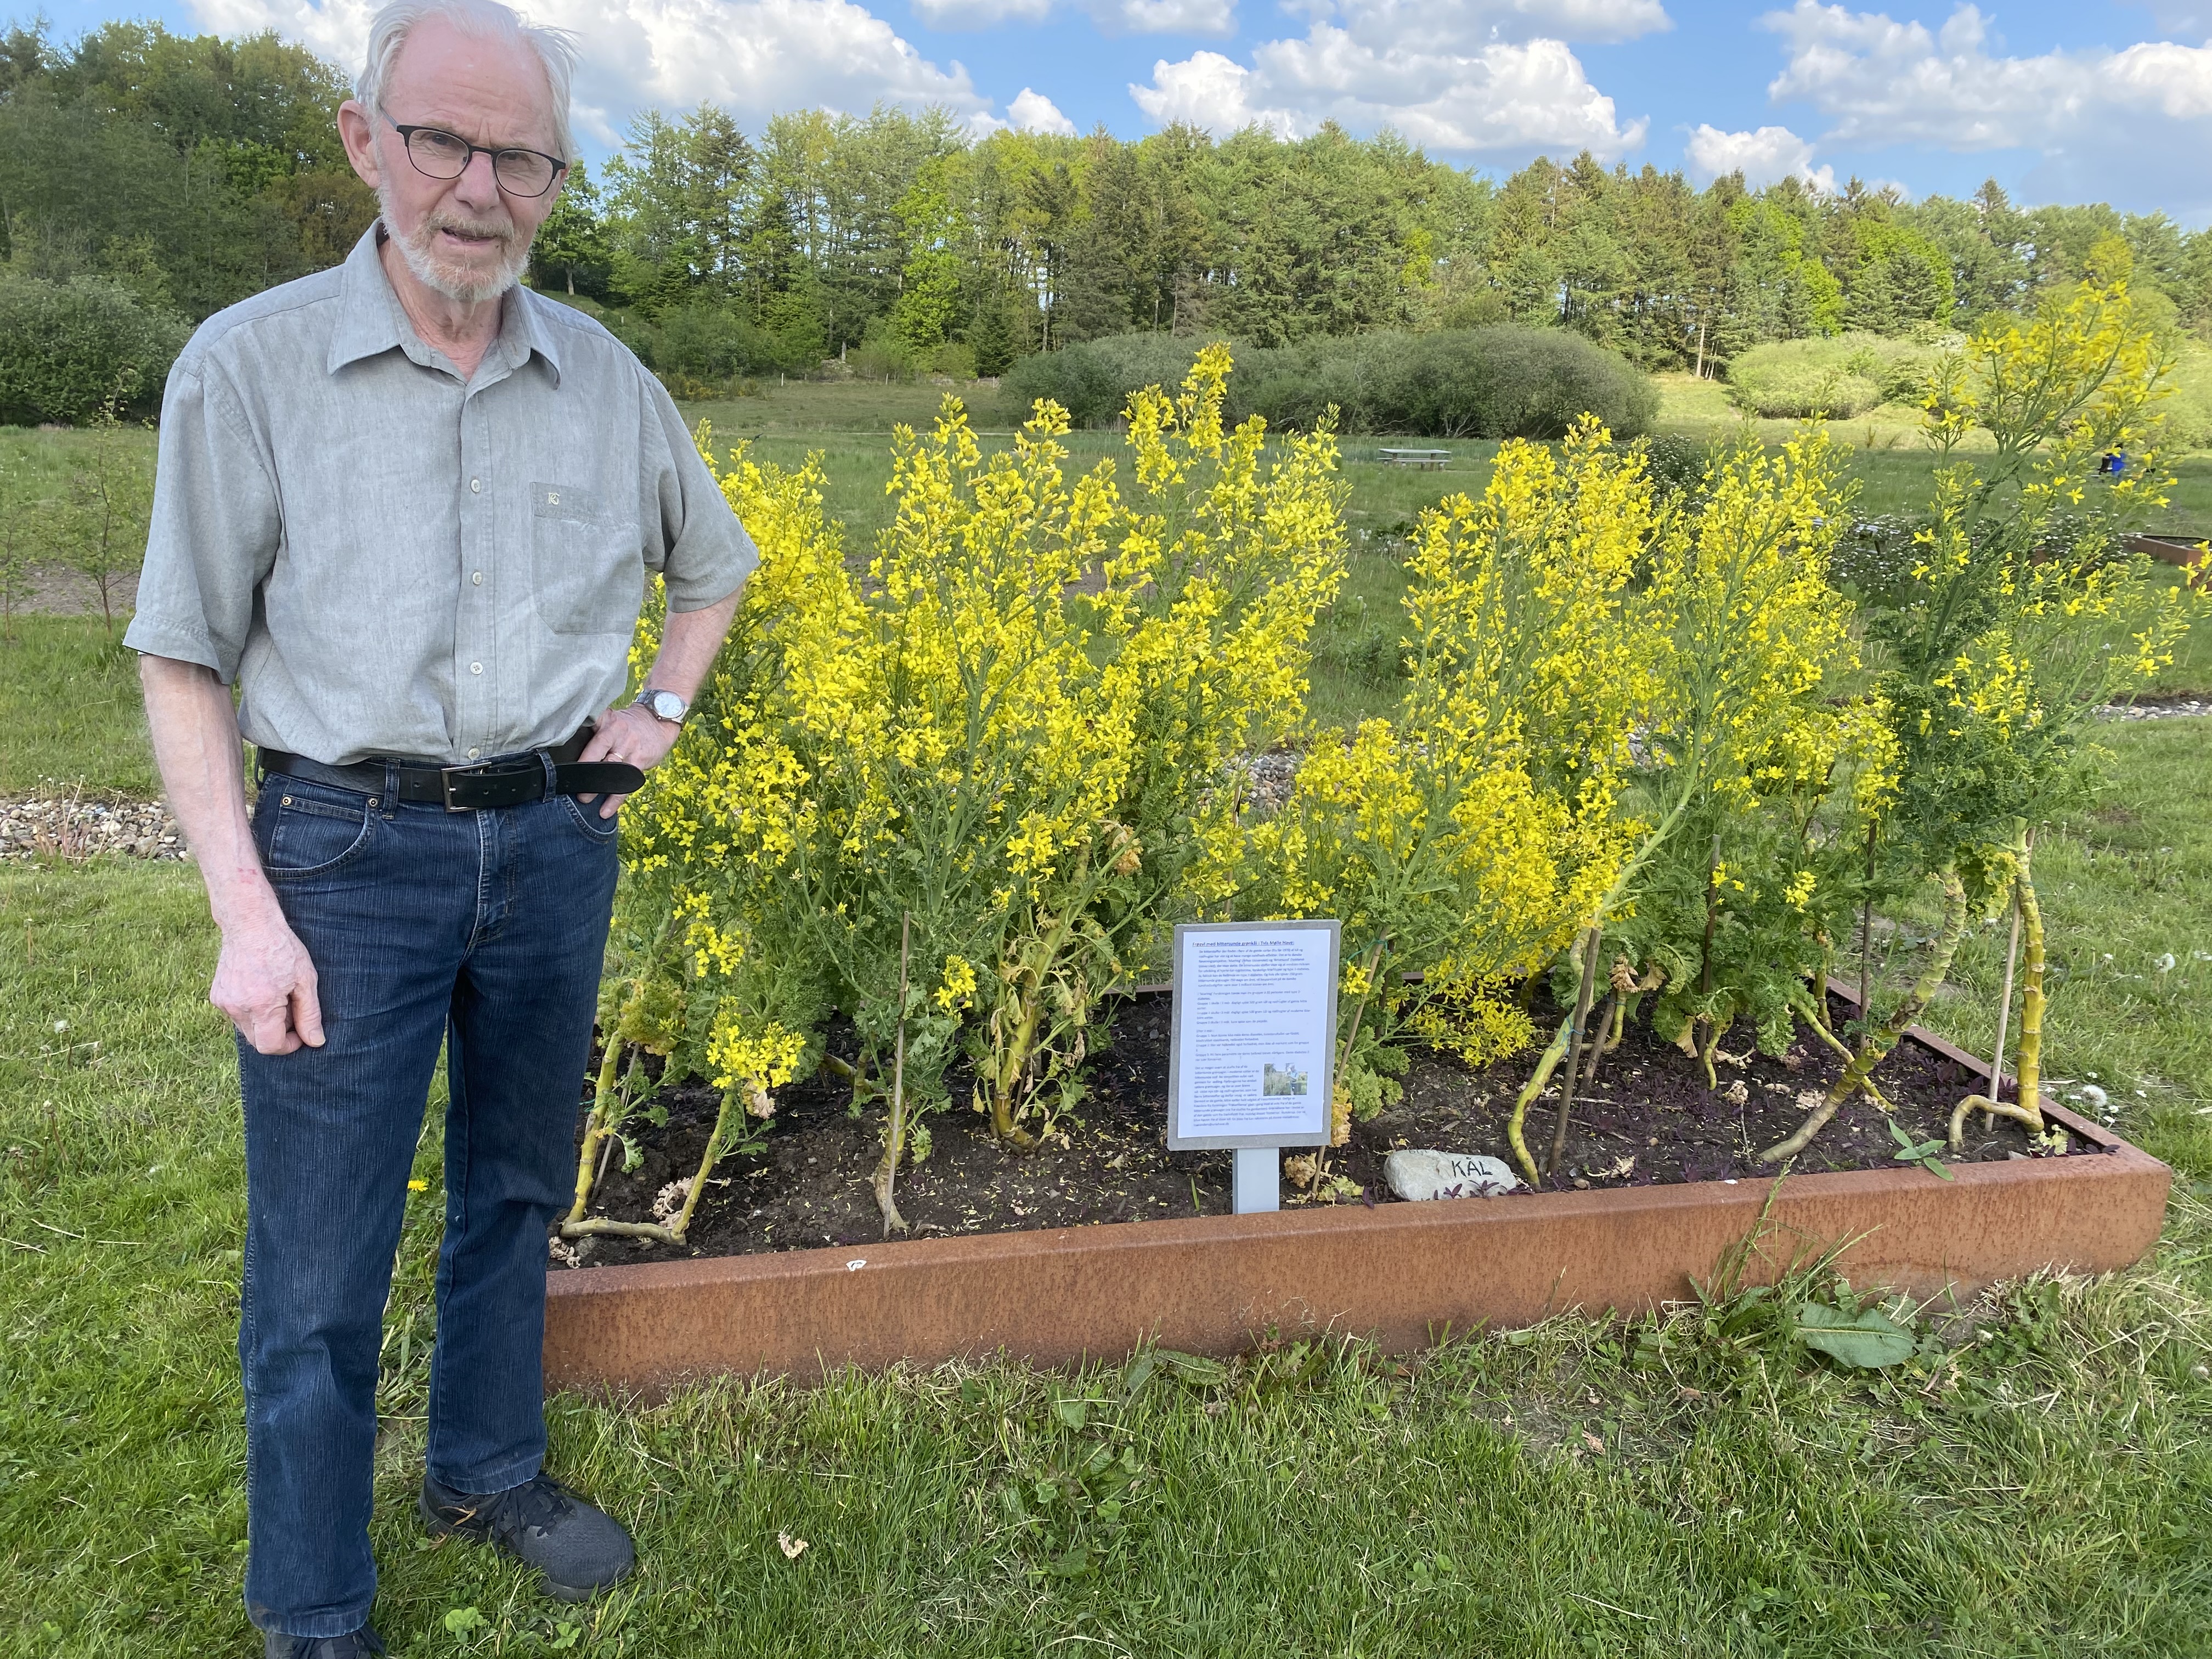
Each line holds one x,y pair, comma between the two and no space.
1400,1274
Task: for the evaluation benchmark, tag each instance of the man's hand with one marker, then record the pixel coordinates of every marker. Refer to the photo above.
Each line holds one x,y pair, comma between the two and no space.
265,983
263,979
629,735
688,644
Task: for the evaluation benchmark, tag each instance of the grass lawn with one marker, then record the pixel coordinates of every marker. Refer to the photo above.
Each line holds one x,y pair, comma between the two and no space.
2046,1491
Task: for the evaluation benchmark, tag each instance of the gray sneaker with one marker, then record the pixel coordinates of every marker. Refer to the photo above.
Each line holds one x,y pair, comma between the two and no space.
354,1644
577,1549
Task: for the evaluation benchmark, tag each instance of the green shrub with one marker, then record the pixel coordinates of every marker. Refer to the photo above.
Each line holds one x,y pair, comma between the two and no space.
1843,377
1502,382
2188,410
67,349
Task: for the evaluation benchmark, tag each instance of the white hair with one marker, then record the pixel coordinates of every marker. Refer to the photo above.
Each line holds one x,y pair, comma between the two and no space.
486,20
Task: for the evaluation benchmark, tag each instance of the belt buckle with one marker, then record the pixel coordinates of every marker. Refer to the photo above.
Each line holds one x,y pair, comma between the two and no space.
446,775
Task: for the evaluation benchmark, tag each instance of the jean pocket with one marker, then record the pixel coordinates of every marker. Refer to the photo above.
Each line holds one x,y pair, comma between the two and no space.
309,834
587,819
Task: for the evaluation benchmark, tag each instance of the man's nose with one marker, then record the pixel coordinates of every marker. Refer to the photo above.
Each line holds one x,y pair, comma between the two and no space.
479,184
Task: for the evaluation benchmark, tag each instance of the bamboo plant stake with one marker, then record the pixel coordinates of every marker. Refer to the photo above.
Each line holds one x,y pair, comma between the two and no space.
1866,938
1576,1044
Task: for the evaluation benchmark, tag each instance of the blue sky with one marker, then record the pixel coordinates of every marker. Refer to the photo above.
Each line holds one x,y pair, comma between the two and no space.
2096,101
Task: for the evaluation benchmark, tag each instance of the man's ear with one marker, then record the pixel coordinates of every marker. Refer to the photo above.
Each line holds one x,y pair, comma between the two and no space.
357,130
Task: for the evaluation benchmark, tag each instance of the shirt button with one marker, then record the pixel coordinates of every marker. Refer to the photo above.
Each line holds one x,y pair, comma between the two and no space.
472,754
476,578
476,486
476,668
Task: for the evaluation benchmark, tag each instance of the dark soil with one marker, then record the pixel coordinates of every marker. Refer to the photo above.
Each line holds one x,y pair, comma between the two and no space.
1648,1120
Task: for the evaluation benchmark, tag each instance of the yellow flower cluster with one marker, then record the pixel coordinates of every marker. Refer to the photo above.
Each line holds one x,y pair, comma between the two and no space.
1006,746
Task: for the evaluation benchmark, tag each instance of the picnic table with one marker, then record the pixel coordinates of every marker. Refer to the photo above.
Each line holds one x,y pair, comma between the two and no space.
1432,459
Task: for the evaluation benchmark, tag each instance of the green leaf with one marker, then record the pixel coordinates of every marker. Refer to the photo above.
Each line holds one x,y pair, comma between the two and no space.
1867,1339
465,1621
1073,1413
1193,1369
1140,1372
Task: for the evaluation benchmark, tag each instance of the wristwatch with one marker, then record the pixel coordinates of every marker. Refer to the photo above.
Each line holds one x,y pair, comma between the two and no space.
662,705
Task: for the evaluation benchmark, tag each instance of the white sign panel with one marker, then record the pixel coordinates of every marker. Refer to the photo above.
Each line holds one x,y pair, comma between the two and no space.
1252,1058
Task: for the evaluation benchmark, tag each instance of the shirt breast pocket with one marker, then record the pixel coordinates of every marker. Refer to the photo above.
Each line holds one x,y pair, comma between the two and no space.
588,576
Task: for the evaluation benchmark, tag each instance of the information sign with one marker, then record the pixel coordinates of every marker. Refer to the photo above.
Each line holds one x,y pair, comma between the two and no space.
1252,1056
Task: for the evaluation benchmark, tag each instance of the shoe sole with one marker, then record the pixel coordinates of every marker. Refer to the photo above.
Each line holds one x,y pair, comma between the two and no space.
441,1527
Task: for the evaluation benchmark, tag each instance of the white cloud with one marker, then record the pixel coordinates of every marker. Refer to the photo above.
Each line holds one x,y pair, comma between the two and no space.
1487,76
754,56
1762,156
1884,81
1517,98
1115,17
1469,25
1165,16
980,14
1210,91
1032,111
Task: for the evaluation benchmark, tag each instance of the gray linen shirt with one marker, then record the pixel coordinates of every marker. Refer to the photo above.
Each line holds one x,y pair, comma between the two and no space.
389,561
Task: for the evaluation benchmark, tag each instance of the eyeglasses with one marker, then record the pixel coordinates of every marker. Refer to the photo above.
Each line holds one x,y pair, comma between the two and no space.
438,154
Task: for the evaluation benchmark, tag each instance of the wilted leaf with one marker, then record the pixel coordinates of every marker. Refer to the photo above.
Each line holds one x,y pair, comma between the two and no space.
1868,1339
792,1548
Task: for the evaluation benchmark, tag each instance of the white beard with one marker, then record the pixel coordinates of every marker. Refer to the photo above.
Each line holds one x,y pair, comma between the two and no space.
462,284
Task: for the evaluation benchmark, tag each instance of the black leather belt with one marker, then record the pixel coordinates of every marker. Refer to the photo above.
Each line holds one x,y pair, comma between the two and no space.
508,781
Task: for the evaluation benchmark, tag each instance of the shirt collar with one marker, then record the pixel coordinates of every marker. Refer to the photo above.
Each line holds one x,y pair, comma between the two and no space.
371,320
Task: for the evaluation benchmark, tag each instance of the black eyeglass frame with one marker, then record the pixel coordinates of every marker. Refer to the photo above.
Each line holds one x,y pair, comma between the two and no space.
407,142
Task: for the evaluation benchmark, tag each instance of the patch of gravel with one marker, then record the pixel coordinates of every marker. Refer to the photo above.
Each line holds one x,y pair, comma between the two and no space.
1267,779
2156,708
75,829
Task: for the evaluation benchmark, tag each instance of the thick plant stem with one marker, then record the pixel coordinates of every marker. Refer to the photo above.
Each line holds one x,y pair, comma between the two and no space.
595,1129
2027,1109
1605,1037
1010,1065
2005,1012
1705,950
1575,1043
2029,1067
886,1177
681,1222
1340,1099
1811,1015
1535,1087
1009,1072
1705,1051
1878,1043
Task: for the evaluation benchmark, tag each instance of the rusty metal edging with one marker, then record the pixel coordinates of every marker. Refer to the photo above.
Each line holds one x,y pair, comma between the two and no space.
1398,1274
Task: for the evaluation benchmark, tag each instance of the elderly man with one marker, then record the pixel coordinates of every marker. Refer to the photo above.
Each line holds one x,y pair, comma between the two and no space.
409,508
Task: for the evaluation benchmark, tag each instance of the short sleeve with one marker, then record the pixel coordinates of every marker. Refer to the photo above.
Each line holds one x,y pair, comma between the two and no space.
705,553
216,528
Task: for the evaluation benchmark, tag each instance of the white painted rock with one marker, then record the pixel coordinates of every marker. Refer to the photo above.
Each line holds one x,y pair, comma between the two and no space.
1415,1175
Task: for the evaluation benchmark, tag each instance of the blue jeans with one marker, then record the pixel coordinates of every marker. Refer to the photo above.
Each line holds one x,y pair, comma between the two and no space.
484,931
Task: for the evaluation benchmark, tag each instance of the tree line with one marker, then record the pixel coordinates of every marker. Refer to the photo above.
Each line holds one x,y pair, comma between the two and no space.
190,172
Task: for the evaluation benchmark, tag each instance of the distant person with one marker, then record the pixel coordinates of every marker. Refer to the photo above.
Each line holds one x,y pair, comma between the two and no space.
408,508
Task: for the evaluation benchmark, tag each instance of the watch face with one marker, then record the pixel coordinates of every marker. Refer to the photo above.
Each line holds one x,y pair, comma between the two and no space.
666,704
